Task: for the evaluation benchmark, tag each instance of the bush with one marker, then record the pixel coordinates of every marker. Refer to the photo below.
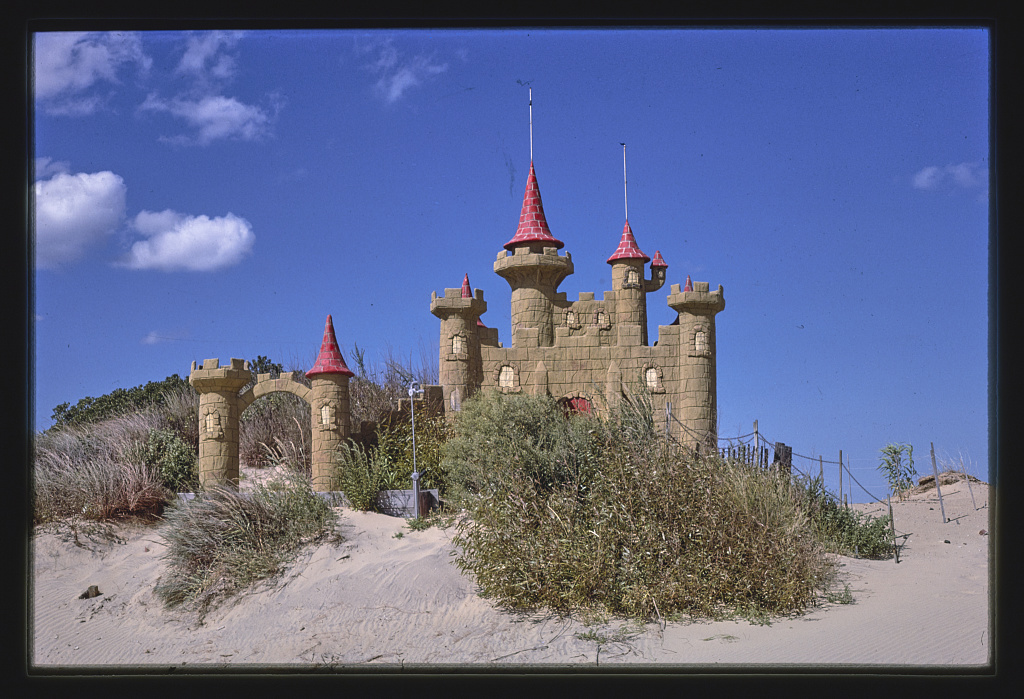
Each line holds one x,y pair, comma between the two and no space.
223,541
583,512
174,460
841,530
97,471
359,476
899,475
118,402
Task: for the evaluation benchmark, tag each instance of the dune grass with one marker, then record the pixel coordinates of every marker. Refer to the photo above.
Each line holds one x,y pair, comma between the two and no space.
223,540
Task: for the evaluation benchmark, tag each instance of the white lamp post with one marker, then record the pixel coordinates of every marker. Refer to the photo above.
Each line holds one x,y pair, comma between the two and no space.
414,390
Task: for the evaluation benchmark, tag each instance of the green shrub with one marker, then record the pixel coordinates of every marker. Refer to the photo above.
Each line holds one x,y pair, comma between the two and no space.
118,402
899,475
174,460
223,540
842,530
358,474
584,512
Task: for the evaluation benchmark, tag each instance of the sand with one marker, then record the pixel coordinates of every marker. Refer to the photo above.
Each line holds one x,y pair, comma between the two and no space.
401,604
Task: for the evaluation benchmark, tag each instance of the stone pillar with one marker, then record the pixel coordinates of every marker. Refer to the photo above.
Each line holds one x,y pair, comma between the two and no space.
218,419
331,426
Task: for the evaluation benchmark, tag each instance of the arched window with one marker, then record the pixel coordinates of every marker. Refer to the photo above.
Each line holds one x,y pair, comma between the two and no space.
632,277
651,377
601,318
455,399
458,344
570,317
506,377
700,341
327,416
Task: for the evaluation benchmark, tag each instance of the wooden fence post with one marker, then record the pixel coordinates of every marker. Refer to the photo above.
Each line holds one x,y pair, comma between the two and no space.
821,471
892,526
757,444
935,470
969,488
841,477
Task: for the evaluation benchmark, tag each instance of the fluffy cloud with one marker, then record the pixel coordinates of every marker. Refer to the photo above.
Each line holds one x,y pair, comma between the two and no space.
69,64
396,74
213,118
74,212
965,175
204,57
195,243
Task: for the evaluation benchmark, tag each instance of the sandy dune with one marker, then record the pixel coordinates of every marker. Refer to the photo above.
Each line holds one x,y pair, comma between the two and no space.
376,599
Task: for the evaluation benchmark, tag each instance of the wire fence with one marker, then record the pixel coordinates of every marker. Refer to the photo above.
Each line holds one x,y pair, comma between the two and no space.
755,448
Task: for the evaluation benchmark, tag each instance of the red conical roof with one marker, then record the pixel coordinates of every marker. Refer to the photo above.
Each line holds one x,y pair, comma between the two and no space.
330,360
628,249
533,227
467,293
658,261
689,284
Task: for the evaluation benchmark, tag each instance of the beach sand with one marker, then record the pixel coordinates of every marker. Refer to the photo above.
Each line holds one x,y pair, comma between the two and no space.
378,600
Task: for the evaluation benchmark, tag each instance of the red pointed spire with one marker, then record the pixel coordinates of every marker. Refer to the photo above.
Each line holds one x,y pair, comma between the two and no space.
330,360
533,226
689,284
628,249
658,260
467,293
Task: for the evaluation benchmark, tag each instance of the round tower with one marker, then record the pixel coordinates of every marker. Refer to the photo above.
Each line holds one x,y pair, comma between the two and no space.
534,269
460,369
628,283
218,389
697,307
329,403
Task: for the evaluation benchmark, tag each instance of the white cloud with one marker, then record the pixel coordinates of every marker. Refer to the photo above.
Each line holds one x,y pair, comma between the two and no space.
396,74
68,64
204,56
152,338
74,212
194,243
45,167
213,118
964,175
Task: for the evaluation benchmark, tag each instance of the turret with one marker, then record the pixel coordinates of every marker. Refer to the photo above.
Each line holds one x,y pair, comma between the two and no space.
628,283
218,389
697,309
460,367
330,408
534,269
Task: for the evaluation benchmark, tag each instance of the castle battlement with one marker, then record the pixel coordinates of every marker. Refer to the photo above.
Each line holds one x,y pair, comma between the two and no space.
591,351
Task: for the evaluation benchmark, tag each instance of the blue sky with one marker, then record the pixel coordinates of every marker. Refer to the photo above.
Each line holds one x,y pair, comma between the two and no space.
218,194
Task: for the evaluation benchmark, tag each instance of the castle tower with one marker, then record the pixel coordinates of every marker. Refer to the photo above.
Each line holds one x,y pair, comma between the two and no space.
699,391
534,269
330,408
460,368
628,282
218,419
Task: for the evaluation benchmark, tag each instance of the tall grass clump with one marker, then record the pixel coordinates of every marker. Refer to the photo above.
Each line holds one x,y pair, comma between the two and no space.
841,530
223,541
98,471
577,512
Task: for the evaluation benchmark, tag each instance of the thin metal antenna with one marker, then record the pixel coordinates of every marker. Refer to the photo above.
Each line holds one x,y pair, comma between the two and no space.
625,199
531,124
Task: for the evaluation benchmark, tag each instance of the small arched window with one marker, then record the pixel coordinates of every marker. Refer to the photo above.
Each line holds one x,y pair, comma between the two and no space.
602,318
455,399
327,416
458,344
700,341
570,317
632,277
651,377
506,377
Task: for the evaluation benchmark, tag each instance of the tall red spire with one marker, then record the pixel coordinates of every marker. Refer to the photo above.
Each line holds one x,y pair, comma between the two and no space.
689,284
467,293
628,249
330,360
659,261
533,226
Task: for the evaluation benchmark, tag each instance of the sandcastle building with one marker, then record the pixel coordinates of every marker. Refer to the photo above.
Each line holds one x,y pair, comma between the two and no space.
589,352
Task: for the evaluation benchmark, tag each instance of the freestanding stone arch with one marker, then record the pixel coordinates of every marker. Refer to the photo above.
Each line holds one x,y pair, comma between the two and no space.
220,407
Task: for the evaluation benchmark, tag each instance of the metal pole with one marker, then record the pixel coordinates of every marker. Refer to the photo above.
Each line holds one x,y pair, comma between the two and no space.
757,446
935,471
841,476
625,199
892,526
413,390
969,488
531,125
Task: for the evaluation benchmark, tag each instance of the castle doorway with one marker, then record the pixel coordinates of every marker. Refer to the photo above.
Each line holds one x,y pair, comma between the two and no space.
575,404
